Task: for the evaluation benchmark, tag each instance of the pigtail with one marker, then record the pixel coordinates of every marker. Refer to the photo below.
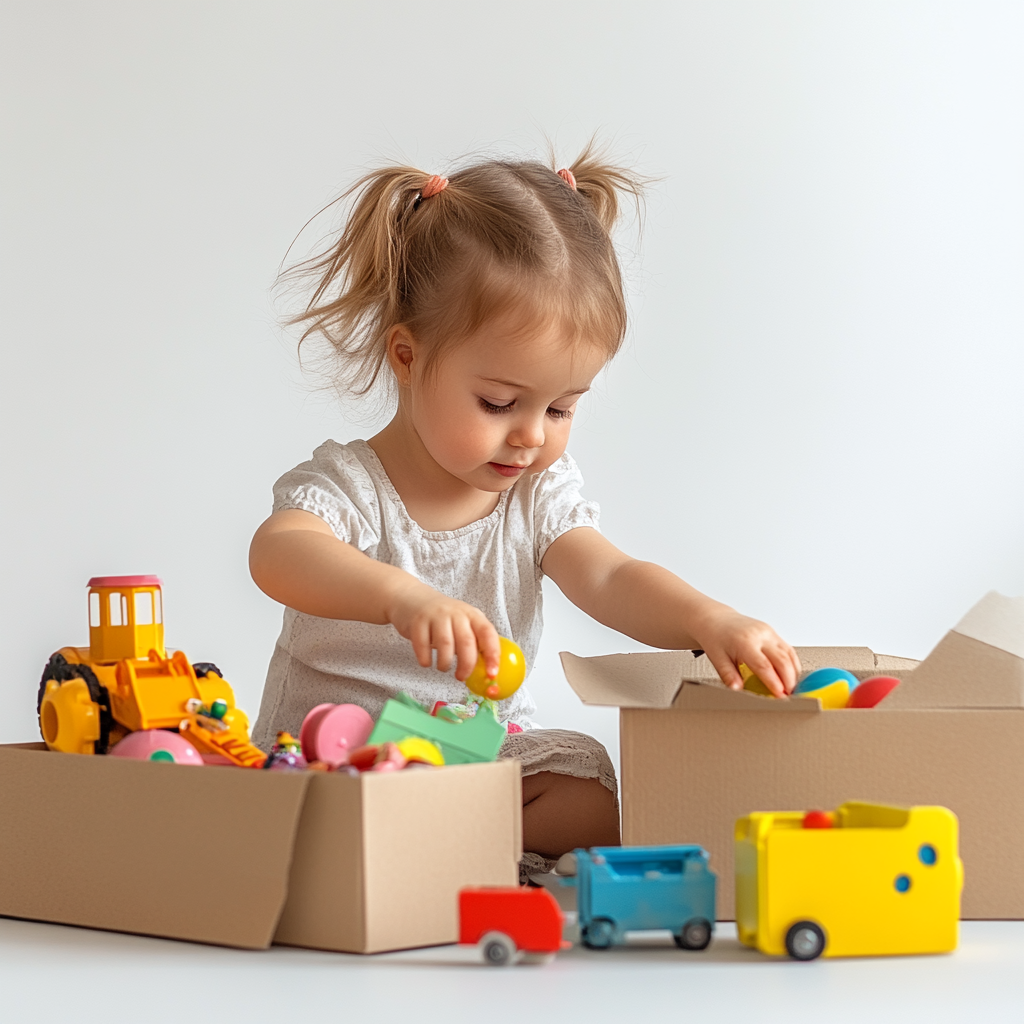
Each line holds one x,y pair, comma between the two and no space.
501,239
358,282
602,184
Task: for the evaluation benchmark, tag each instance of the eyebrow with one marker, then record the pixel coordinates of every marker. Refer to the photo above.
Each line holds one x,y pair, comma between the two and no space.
524,387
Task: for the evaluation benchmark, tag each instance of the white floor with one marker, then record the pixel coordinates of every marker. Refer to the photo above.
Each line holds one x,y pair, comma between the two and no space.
55,973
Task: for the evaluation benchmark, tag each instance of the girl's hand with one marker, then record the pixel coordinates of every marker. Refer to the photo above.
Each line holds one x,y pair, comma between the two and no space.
456,630
729,638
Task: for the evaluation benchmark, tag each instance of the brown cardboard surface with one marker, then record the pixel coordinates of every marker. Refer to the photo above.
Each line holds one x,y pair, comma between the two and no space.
997,621
326,908
687,776
962,672
401,845
186,853
698,756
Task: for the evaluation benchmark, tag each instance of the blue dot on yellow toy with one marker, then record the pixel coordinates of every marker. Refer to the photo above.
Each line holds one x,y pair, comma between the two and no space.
511,673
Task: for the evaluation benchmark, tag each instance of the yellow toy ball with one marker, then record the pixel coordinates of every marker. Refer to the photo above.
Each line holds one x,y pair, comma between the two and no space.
415,748
511,673
752,683
832,696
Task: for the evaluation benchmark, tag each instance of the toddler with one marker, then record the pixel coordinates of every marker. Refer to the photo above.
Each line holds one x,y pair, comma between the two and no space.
488,302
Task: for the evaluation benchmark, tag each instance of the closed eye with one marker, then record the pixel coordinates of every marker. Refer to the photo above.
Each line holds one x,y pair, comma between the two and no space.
491,407
557,414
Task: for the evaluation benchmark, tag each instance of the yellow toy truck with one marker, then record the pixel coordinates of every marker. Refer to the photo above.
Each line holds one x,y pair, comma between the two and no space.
91,697
864,880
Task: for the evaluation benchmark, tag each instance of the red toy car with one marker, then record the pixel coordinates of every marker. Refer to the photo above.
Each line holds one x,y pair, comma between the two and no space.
510,923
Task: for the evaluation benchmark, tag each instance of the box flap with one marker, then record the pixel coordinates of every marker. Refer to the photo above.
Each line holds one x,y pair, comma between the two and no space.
717,697
630,680
657,679
106,842
977,664
997,621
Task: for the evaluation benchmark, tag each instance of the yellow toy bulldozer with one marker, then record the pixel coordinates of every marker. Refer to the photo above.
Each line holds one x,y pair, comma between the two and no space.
91,697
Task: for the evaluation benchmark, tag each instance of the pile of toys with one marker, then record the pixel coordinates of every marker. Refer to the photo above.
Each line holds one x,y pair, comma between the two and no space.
834,687
865,879
124,695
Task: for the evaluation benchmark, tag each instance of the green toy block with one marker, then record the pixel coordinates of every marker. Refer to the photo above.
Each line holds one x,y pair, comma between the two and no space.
476,739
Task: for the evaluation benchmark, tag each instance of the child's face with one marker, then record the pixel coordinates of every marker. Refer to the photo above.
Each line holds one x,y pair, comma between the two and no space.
499,406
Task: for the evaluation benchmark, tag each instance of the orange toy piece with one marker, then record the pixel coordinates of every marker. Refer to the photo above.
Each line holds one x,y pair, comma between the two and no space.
125,680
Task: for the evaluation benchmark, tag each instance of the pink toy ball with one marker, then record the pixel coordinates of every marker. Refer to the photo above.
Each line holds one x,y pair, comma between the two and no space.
156,745
330,732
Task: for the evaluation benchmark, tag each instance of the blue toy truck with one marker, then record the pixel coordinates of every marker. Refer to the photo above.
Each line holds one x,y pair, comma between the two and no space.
641,888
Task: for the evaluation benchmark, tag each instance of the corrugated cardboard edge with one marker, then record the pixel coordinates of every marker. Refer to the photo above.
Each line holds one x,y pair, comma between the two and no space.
201,854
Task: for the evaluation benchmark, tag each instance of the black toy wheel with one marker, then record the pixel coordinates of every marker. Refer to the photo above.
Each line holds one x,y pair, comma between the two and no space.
59,669
204,668
695,934
805,940
598,934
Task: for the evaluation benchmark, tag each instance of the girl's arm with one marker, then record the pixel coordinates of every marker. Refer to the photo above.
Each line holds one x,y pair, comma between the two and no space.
654,606
296,559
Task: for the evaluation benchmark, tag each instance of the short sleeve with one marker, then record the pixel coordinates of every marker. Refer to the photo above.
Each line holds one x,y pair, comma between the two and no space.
335,486
559,505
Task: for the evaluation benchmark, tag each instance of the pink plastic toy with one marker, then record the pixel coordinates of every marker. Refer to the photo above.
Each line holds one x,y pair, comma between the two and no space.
157,745
872,691
330,732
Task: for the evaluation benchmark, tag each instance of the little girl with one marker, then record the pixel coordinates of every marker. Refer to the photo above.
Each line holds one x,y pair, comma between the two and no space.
489,301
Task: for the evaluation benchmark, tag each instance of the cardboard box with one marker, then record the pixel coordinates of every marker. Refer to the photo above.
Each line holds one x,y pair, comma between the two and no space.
244,858
697,756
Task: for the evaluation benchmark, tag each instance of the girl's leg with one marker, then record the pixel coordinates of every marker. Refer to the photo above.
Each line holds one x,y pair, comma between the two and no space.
562,812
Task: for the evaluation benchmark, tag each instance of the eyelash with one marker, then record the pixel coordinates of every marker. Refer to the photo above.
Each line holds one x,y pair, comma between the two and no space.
558,414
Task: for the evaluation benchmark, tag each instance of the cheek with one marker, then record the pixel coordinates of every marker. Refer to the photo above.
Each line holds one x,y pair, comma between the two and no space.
556,439
457,431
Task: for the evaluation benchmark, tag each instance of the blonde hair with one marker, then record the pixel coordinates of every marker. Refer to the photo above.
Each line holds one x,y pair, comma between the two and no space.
502,239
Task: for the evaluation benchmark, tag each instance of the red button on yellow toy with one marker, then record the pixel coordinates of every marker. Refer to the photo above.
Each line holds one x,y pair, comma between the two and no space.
818,819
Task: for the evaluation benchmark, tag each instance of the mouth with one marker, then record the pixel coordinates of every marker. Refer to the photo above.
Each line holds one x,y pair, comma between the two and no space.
505,470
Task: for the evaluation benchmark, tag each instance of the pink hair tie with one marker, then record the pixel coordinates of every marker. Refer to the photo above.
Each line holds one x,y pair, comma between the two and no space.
568,177
435,183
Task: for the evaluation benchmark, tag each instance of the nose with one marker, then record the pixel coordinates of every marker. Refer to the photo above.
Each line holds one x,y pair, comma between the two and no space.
527,433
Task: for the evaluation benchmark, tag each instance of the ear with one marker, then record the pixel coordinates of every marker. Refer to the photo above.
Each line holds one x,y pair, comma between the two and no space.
403,350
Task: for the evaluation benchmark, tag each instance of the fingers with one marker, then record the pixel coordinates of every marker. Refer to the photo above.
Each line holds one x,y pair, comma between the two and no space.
459,633
465,647
489,644
761,665
729,673
442,636
422,644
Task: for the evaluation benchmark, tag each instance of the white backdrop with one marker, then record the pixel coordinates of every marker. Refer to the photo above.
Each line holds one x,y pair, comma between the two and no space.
818,417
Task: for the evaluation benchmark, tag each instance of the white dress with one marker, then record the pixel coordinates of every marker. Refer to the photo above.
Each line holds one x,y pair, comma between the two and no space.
493,564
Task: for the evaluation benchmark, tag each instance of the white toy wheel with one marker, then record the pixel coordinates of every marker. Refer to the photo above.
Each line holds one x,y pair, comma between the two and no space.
498,949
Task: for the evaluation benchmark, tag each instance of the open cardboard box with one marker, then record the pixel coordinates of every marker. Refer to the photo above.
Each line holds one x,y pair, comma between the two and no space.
240,857
696,756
